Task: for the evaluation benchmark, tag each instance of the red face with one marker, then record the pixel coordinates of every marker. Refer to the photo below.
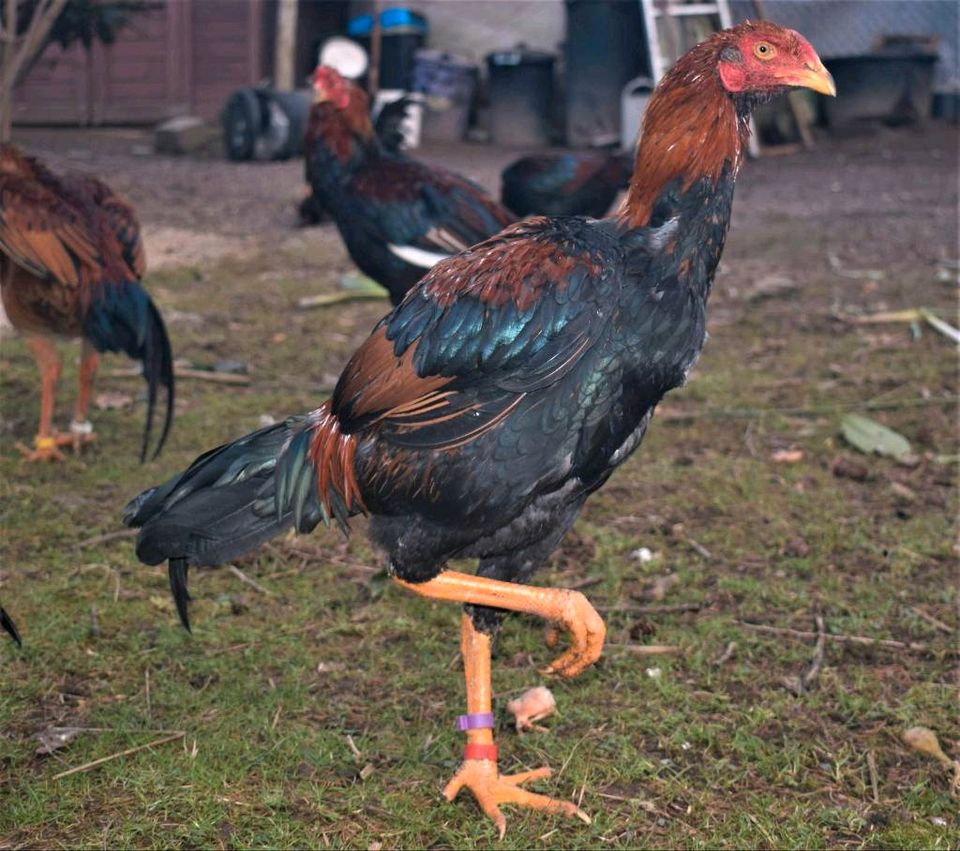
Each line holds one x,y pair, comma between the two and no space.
764,56
330,87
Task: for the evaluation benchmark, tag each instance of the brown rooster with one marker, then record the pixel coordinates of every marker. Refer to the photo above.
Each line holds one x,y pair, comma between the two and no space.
71,265
506,388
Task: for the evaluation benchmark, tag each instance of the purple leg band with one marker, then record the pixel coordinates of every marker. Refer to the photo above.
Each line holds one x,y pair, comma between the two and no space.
477,721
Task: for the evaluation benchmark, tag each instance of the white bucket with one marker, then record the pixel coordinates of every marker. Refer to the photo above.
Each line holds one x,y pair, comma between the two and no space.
633,103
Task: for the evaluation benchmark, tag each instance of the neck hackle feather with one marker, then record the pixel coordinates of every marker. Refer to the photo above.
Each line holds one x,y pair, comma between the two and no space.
691,130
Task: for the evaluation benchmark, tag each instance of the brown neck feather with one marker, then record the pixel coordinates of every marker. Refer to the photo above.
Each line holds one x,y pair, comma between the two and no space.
691,130
341,128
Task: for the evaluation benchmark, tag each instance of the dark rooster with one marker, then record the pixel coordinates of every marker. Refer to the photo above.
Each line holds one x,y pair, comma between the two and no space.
70,267
584,183
9,626
398,217
388,127
483,411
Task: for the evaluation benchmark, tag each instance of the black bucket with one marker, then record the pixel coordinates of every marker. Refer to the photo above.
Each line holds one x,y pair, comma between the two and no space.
521,96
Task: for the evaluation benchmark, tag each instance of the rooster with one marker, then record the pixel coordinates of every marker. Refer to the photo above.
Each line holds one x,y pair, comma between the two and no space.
484,410
71,260
398,217
388,127
570,184
9,627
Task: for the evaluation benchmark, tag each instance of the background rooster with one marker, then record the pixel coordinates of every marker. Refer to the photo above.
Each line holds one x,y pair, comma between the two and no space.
71,265
398,217
9,627
388,127
483,411
576,183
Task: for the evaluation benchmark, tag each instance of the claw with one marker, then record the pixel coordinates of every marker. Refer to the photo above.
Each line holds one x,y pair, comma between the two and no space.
587,632
177,569
490,788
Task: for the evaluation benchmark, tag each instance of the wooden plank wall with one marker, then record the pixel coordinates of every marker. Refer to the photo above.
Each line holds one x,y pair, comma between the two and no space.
184,58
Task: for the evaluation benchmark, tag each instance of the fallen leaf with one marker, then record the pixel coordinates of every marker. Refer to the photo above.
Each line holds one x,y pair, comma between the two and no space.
871,437
844,468
111,400
53,738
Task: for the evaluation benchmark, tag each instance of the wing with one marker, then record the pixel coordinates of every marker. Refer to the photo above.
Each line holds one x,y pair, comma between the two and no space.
484,330
425,214
120,218
563,173
45,234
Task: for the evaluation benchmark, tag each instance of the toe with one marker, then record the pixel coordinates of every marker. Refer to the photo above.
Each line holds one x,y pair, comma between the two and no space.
534,801
526,776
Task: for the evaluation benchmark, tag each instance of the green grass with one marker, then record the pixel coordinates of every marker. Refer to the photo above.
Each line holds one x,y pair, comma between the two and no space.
666,751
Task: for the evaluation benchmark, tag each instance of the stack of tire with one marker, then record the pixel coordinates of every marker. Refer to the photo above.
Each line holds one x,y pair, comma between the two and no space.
264,124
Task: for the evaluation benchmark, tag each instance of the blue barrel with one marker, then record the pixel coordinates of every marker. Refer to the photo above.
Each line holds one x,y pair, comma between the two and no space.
403,33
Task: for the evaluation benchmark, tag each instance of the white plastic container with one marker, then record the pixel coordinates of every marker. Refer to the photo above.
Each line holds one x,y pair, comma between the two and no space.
633,103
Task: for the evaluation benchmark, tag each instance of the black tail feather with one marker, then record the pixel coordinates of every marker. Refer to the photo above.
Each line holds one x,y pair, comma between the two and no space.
177,568
9,626
122,318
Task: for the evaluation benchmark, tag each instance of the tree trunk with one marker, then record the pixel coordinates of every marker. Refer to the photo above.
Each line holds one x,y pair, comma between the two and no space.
6,75
19,54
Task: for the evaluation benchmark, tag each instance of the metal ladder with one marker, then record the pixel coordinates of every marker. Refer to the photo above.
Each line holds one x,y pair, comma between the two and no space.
668,12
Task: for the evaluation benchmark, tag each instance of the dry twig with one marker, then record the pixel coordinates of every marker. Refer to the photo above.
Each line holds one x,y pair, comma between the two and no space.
874,777
88,766
930,619
726,655
236,571
915,646
102,539
645,649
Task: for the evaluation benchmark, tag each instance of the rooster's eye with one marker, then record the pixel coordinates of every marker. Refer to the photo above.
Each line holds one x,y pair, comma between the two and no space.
764,51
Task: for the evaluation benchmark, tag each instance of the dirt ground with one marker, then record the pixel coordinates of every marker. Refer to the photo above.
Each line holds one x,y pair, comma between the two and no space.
317,704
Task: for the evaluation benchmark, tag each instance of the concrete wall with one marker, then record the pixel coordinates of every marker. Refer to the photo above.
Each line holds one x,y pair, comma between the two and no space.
474,28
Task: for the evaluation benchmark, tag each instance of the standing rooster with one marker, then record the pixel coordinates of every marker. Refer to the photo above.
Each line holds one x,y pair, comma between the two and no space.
71,266
398,217
388,128
483,411
583,183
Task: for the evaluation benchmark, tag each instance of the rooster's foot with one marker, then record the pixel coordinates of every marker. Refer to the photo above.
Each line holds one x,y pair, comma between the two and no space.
491,789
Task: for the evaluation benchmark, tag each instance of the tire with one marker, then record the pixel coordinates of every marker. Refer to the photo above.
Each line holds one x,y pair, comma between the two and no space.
242,119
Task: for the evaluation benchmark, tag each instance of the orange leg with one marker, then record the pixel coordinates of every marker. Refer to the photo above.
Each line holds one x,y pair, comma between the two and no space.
81,429
48,362
480,775
568,609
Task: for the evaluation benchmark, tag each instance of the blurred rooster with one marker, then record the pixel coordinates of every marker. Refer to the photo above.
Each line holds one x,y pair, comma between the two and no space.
482,412
9,626
398,217
71,266
388,127
584,183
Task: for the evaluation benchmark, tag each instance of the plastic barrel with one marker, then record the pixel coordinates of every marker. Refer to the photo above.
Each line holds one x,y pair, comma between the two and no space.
448,84
521,96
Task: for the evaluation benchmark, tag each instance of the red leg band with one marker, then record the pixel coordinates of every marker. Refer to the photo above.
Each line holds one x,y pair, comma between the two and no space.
480,752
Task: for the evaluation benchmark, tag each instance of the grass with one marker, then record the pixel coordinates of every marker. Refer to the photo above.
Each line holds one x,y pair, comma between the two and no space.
666,751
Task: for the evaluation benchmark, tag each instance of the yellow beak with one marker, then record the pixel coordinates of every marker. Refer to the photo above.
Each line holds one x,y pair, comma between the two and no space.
811,77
